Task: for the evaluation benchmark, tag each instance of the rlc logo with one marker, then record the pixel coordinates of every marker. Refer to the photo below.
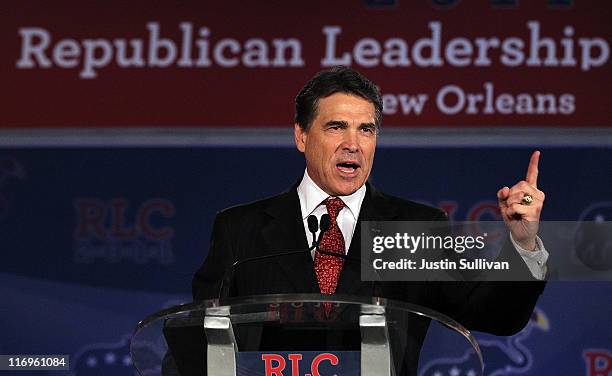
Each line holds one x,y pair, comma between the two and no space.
101,220
502,357
484,210
275,364
598,362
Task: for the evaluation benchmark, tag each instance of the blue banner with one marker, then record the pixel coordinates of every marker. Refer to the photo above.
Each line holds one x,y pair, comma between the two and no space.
95,239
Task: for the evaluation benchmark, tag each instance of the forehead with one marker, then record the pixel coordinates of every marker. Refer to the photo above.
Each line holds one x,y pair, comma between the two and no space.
341,106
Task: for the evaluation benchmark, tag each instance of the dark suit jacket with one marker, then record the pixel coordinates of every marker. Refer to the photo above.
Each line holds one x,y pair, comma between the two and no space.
275,225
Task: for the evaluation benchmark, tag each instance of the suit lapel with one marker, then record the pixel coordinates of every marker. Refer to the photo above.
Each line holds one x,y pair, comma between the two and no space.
285,232
375,207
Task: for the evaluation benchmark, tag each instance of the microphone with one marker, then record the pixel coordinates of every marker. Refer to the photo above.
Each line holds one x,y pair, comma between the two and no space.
325,222
324,225
313,227
312,224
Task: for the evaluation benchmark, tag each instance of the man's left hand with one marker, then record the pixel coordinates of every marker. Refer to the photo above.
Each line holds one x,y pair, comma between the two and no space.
521,216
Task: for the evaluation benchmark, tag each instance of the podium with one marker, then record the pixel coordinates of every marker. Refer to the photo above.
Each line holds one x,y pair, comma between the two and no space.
303,335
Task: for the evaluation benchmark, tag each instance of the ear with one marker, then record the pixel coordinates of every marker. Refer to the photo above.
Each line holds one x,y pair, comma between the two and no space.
300,136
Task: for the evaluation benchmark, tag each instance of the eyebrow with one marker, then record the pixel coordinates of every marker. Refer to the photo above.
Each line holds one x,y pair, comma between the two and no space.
345,124
372,125
336,123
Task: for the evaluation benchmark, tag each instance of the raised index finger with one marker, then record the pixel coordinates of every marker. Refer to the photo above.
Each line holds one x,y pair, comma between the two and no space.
532,170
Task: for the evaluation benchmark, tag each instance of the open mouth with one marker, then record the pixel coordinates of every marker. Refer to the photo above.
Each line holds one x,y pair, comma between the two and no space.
347,167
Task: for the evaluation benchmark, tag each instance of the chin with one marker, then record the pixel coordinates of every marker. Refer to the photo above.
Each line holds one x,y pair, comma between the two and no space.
346,190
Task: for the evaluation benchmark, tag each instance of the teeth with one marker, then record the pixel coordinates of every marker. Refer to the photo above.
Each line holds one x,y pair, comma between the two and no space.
346,169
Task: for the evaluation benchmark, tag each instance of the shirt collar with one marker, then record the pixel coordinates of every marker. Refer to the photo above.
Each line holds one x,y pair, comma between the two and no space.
311,197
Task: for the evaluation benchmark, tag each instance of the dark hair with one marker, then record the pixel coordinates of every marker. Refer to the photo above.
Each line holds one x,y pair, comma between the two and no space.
339,79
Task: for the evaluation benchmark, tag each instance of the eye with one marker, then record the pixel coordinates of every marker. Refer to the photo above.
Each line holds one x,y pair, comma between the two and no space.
368,130
336,126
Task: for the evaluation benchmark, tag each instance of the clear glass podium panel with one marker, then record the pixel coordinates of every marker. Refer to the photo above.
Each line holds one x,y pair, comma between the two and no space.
303,335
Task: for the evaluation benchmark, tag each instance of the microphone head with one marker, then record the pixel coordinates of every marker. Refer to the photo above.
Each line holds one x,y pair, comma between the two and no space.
325,222
313,223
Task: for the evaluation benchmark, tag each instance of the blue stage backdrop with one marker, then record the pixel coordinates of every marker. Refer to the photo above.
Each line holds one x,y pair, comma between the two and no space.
95,239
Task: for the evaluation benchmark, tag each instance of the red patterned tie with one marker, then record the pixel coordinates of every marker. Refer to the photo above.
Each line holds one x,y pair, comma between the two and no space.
328,267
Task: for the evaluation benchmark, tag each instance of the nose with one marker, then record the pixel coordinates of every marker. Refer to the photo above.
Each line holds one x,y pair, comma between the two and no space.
350,142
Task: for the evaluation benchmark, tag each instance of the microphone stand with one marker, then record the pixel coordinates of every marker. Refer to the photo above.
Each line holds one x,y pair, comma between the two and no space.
312,222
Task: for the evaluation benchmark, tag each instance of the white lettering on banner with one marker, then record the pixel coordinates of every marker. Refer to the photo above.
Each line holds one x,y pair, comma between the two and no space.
38,50
512,52
221,58
203,48
136,60
156,45
66,53
97,54
451,100
462,52
432,44
458,52
191,49
330,58
408,103
396,53
484,44
291,45
187,32
30,49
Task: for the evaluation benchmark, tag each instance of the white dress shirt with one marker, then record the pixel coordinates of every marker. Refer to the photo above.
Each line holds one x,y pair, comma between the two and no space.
311,203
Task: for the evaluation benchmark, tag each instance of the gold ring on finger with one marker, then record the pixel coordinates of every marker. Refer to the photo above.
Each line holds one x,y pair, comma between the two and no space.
527,199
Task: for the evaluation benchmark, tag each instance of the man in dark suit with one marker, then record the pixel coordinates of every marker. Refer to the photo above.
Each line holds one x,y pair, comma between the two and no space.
338,114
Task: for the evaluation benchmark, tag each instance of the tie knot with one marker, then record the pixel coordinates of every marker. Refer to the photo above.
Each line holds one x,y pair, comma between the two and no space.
334,205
